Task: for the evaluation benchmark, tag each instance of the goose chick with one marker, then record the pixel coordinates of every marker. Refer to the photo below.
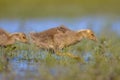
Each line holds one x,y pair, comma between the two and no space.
59,37
8,39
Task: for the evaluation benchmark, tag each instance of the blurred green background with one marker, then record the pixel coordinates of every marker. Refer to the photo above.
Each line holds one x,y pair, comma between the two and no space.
57,8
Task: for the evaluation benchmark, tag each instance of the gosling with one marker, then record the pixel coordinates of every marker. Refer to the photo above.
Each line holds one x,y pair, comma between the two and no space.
60,37
9,39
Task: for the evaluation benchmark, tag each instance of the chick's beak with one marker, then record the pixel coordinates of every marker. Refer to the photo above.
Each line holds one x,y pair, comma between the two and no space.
95,39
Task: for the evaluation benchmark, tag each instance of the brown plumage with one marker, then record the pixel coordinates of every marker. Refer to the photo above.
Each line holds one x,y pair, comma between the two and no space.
8,39
60,37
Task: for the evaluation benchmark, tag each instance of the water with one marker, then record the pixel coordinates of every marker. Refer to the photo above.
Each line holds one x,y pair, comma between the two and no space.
96,23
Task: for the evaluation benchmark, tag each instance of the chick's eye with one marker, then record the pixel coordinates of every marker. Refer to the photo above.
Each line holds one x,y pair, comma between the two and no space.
23,37
92,34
